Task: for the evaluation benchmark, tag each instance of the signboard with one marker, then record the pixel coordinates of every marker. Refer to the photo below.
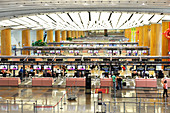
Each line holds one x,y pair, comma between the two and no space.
115,67
104,67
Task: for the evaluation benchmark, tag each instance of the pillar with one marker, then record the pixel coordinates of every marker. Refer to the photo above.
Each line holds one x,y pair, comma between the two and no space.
57,36
64,35
137,35
49,36
146,38
105,32
68,34
6,42
77,34
141,36
155,39
129,35
73,34
26,41
40,35
165,26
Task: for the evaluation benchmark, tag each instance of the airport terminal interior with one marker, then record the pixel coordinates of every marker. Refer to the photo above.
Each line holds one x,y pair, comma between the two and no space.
84,56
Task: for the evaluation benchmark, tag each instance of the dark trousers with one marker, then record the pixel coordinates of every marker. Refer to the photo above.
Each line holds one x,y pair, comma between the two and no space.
165,91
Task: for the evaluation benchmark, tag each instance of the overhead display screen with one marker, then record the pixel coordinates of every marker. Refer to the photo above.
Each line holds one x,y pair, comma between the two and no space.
3,67
47,67
167,68
115,67
81,67
70,67
13,67
104,67
140,67
151,67
37,67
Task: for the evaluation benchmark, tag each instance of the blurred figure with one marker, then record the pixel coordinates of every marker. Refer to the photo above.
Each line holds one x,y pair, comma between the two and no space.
165,87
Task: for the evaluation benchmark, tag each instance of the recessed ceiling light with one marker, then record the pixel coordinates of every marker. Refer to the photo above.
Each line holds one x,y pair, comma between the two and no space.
21,6
46,4
143,3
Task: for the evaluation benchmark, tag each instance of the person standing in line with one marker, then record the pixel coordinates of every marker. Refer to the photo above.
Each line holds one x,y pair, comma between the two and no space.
114,81
165,89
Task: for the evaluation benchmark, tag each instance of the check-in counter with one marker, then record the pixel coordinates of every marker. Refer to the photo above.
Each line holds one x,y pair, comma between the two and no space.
76,82
13,81
106,82
42,82
141,82
168,81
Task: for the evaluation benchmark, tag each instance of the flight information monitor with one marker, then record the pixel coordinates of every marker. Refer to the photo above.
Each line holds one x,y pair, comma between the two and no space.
81,67
166,67
13,67
115,67
70,67
90,51
151,67
38,51
37,67
57,51
52,51
104,67
140,67
76,51
70,51
3,67
47,67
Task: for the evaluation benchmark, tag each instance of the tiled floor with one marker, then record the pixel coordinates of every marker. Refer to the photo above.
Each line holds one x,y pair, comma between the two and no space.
84,103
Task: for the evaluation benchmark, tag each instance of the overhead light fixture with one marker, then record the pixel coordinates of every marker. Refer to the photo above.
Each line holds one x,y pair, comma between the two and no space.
143,3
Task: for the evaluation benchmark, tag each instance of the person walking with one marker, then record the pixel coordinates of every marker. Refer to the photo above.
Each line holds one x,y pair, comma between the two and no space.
114,82
165,89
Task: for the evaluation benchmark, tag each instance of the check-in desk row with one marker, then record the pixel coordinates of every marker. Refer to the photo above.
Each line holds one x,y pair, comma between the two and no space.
104,82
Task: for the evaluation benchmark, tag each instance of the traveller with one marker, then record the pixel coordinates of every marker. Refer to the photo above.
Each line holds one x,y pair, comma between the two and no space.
165,86
119,80
114,81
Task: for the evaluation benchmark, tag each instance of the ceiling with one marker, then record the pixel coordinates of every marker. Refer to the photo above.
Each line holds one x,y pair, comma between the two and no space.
81,14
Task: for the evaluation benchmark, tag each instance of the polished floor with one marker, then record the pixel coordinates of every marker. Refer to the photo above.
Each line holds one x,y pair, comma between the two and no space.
127,101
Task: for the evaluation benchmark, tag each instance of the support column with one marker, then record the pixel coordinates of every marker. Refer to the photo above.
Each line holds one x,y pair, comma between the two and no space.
141,36
26,41
129,34
40,35
146,38
64,35
137,35
105,32
73,34
77,34
57,36
155,39
6,42
49,36
68,34
165,42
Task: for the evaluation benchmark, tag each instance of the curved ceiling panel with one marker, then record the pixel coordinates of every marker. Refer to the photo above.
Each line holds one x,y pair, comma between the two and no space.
15,8
91,20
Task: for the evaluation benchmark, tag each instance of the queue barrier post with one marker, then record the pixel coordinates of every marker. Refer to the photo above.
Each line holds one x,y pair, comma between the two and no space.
22,106
61,103
34,107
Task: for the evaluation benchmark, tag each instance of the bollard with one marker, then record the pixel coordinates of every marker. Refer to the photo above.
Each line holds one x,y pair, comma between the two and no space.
22,106
154,108
34,107
94,107
109,106
139,107
124,107
61,104
58,107
53,109
64,99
